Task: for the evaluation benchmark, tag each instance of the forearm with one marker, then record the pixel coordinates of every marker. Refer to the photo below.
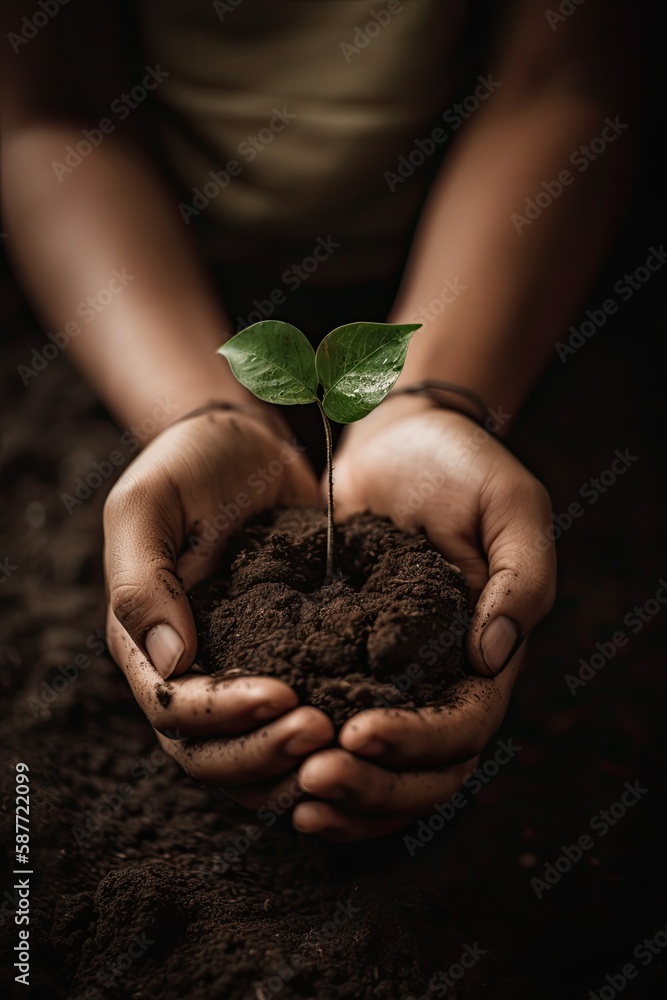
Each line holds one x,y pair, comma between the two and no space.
112,225
518,284
513,287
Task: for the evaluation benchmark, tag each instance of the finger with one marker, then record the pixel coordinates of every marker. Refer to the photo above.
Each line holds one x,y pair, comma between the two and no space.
360,786
197,705
287,479
332,824
434,737
158,528
269,799
275,749
515,518
143,532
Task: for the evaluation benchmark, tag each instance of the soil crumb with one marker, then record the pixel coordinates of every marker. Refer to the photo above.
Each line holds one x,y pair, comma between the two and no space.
387,631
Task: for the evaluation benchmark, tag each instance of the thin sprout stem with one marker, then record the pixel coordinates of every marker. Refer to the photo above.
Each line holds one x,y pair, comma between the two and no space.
330,501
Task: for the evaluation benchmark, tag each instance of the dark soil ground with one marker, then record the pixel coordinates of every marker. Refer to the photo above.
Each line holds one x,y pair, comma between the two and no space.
131,894
343,646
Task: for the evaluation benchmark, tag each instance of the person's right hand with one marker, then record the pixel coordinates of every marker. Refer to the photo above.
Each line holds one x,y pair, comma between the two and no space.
198,474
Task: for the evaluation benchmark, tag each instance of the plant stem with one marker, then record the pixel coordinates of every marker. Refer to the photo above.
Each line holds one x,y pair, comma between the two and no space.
330,502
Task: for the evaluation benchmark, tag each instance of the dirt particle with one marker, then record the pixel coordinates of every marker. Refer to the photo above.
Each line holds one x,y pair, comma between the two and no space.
385,634
163,694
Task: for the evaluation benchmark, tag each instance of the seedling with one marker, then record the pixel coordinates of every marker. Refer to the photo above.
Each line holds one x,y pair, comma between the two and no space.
355,366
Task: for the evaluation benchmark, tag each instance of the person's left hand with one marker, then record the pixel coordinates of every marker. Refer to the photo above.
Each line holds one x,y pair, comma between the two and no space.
490,518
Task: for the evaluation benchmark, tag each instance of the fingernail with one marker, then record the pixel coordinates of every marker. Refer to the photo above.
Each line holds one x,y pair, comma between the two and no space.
373,748
300,744
318,831
499,641
164,647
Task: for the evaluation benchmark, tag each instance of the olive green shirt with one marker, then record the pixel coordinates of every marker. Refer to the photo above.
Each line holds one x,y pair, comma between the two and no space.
288,118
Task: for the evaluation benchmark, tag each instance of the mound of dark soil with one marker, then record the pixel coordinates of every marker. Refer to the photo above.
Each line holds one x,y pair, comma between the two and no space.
357,642
153,892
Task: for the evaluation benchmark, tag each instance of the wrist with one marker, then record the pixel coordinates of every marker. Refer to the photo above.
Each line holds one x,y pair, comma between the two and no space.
419,397
447,396
256,411
455,405
391,411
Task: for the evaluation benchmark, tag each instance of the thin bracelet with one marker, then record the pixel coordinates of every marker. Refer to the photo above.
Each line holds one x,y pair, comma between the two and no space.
218,404
430,389
476,408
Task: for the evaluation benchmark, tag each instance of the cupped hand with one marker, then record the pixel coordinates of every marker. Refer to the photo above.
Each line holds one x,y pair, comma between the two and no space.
166,522
436,469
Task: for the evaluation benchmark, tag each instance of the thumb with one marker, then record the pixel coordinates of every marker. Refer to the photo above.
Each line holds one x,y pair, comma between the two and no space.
287,480
522,573
142,536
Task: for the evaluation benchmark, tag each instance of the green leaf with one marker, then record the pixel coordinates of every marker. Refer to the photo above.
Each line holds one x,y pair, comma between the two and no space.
275,361
358,364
